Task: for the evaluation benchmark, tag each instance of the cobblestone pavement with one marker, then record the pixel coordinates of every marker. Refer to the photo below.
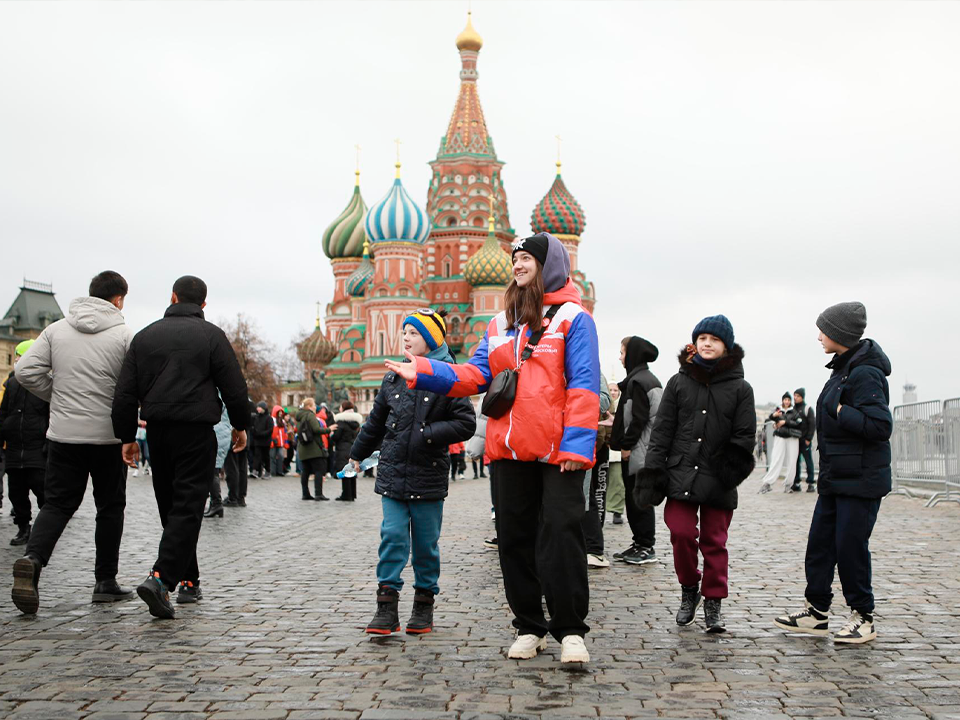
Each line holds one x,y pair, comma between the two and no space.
289,586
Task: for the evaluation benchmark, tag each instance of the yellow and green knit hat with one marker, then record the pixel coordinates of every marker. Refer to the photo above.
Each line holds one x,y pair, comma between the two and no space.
430,325
23,347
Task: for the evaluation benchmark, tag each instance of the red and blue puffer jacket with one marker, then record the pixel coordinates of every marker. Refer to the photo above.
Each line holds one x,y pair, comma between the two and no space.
554,417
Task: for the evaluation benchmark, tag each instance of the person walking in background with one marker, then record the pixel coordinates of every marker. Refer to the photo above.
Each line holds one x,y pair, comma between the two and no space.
541,445
456,461
616,500
144,462
279,442
177,370
475,446
74,365
262,438
640,393
701,449
235,471
348,422
24,419
414,430
595,485
786,444
854,425
806,439
224,436
310,449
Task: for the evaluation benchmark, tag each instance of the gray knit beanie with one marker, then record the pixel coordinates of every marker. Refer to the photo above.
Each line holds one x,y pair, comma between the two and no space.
844,323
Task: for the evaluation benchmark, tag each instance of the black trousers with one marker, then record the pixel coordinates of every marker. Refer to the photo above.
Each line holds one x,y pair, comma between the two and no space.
457,465
183,456
65,483
477,463
261,459
592,522
643,523
23,481
840,538
348,488
542,553
806,455
235,468
216,497
316,467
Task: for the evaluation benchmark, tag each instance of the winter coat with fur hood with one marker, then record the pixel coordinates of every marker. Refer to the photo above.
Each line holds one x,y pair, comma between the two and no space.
348,424
701,448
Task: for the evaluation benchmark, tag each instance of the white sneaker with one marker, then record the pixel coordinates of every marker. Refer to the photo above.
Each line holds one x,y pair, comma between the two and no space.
857,630
596,561
573,650
809,621
461,476
526,647
764,488
136,473
493,514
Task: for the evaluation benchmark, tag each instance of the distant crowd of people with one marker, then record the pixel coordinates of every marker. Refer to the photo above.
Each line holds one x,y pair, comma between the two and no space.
562,449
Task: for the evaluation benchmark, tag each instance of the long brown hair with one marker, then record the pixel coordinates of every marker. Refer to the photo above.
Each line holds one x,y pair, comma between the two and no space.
524,305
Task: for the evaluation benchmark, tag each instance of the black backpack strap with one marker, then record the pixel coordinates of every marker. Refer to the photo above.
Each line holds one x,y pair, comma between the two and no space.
535,337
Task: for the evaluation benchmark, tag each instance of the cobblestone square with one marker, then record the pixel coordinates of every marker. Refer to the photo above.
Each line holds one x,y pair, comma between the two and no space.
289,587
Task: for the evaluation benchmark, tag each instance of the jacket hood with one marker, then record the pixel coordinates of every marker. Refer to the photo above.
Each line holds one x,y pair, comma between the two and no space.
729,367
303,414
556,268
277,409
639,352
567,293
348,416
868,352
92,315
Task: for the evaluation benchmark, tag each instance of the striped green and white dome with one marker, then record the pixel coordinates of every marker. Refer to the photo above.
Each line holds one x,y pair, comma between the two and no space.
344,237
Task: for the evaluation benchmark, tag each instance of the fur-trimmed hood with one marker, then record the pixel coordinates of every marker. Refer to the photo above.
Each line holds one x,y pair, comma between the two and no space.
729,367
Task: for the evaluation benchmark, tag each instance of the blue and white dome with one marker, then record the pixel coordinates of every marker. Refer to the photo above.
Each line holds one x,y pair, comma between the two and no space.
397,218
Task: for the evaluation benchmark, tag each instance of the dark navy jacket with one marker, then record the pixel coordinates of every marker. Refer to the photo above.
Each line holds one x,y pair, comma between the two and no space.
855,446
415,428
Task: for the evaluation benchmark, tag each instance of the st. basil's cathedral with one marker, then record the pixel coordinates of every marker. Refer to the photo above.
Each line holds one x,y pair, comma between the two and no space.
395,257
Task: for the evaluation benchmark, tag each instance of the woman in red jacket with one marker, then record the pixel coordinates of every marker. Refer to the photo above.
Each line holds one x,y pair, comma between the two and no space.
541,448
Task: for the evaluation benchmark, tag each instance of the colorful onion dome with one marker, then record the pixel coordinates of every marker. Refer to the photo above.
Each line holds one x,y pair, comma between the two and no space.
317,349
490,265
469,39
359,280
558,213
344,237
397,218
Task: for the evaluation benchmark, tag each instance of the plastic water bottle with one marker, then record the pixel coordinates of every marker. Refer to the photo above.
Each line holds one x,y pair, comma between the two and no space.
370,462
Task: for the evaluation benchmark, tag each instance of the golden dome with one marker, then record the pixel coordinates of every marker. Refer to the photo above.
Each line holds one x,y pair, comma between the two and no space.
469,39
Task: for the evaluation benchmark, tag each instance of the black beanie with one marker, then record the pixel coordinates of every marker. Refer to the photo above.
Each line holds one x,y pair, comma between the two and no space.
801,392
537,245
787,396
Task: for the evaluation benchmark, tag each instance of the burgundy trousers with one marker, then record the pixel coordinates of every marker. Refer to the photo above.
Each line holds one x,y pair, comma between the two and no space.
710,541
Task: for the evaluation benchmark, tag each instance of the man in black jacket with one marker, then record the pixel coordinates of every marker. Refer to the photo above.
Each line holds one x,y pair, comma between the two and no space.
806,439
174,370
262,431
640,393
24,419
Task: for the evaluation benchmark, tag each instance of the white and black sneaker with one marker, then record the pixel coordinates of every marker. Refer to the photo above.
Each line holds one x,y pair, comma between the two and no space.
860,628
810,621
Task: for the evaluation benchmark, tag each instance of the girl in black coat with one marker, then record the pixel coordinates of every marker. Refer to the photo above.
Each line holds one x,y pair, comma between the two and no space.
413,429
700,451
348,422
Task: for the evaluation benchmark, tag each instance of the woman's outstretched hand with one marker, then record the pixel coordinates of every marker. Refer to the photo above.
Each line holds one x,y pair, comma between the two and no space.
408,370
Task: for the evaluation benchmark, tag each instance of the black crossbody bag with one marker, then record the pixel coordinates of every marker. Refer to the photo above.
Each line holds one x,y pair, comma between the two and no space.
503,388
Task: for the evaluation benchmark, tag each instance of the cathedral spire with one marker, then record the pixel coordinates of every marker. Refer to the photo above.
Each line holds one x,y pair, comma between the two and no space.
467,131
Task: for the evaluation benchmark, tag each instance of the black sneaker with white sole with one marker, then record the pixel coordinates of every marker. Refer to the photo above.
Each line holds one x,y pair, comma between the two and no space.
690,602
808,621
623,553
491,543
641,556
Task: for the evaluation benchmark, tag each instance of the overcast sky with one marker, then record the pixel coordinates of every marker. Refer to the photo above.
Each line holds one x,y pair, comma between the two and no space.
757,159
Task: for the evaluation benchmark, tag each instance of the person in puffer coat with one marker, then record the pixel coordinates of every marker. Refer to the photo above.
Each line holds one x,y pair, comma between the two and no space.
348,422
24,419
541,447
701,449
414,429
854,425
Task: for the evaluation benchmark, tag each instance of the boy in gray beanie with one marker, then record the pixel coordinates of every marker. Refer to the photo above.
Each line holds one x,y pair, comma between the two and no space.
854,425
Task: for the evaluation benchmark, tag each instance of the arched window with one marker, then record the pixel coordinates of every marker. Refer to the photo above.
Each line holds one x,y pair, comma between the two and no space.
455,326
447,266
478,222
451,222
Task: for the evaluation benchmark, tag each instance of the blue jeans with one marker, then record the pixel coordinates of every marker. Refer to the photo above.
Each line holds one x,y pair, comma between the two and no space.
418,521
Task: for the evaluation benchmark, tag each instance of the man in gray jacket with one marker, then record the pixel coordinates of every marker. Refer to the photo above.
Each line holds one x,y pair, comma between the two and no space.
74,365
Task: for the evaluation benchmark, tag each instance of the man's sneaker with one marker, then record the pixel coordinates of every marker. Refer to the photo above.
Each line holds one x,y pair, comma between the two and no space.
387,618
22,536
809,621
155,594
690,602
189,592
572,650
599,561
712,617
493,515
109,591
26,578
811,487
860,628
242,501
526,647
421,619
623,553
795,488
642,556
491,543
618,518
764,488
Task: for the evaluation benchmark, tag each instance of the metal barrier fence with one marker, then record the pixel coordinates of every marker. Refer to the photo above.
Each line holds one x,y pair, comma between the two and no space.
925,444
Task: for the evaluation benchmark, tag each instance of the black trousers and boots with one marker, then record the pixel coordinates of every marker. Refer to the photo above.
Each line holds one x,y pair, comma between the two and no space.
313,466
23,481
235,468
183,456
542,551
643,523
65,483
